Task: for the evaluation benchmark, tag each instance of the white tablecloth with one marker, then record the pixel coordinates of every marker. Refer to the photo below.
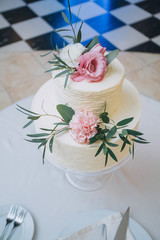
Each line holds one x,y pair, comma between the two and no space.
43,189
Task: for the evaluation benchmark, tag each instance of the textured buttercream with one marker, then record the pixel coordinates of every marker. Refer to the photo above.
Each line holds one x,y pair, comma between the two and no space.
92,96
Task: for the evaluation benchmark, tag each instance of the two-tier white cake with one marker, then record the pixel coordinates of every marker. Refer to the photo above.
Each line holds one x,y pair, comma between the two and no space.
122,101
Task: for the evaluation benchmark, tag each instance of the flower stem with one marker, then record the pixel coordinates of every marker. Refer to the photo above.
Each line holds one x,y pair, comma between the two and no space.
73,30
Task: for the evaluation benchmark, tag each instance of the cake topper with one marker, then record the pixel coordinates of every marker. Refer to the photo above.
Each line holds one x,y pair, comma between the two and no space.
77,61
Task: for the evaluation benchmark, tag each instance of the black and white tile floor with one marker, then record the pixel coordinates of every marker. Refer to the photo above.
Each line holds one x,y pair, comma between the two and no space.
130,25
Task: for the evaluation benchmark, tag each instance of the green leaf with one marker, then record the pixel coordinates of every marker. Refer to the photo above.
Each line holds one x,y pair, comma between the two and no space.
112,155
44,151
111,132
62,73
105,149
51,144
42,144
64,44
99,149
92,43
66,112
56,68
33,117
112,144
36,140
79,35
105,130
53,62
70,10
74,40
65,18
92,140
104,117
66,80
141,138
123,145
133,150
46,129
63,30
38,135
100,136
46,54
61,66
22,112
124,132
130,150
60,60
124,139
139,141
68,36
27,110
30,122
57,48
111,56
106,158
133,132
124,121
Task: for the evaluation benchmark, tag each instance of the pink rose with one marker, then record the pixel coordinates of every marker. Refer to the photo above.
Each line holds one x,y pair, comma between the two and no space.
83,126
92,65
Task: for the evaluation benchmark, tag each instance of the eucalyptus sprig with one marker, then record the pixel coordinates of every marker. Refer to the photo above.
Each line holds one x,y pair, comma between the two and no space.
106,133
47,137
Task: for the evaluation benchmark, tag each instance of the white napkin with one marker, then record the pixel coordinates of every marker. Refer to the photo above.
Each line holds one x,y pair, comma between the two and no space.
111,222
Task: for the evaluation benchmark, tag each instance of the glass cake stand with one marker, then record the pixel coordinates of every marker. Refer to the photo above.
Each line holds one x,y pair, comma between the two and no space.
89,180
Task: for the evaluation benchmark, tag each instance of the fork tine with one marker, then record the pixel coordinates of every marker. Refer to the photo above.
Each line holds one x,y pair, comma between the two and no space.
14,209
11,209
23,214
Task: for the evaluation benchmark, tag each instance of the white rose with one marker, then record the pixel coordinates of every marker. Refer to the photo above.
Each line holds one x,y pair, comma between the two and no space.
71,53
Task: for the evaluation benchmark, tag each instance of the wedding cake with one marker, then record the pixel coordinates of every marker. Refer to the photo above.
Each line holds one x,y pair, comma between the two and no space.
122,101
86,116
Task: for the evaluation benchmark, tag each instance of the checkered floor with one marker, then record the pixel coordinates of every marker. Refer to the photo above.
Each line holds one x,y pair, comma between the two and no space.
130,25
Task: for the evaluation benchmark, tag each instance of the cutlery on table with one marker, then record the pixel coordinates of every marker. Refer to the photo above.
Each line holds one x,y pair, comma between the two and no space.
10,217
17,222
122,229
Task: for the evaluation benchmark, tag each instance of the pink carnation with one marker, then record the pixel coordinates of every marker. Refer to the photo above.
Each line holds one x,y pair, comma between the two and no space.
92,65
83,126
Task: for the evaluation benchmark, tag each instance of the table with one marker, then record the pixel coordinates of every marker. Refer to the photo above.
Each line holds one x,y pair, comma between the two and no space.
44,191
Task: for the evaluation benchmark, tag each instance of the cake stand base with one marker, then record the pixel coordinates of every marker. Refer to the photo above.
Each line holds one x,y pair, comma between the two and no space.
91,180
88,183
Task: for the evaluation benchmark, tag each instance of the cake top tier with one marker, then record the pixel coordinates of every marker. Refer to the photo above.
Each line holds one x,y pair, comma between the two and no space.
113,76
92,96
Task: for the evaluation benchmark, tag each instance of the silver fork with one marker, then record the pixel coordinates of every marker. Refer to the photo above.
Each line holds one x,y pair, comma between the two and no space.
17,222
10,217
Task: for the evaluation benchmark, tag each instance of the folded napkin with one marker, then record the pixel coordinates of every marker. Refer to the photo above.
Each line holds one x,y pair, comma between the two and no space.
104,229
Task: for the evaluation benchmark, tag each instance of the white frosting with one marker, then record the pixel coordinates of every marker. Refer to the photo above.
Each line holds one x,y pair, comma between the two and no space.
68,153
92,96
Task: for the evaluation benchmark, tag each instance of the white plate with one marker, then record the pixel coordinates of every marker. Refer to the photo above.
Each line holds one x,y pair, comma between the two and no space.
24,231
86,218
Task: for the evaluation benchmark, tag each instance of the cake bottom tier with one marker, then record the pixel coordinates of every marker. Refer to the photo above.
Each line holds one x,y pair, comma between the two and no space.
81,157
